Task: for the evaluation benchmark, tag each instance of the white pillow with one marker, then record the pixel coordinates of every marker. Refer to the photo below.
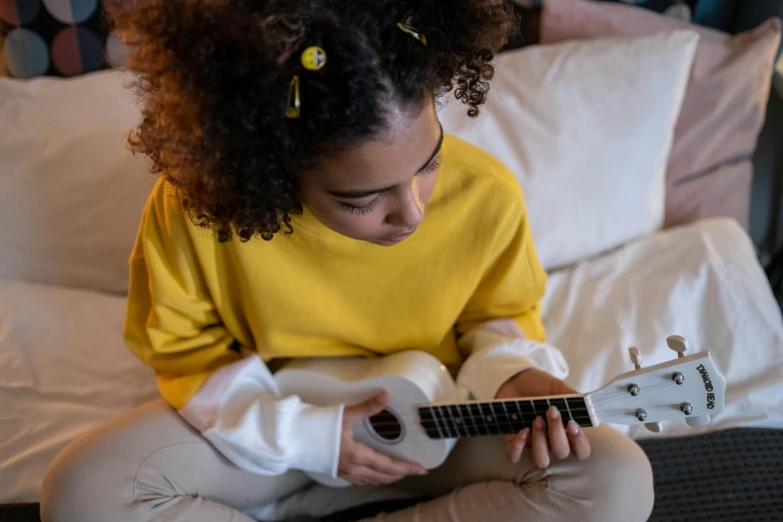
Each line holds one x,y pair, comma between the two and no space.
71,193
701,281
586,126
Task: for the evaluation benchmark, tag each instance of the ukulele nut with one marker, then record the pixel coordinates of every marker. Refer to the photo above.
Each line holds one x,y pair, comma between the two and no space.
634,390
678,378
641,415
686,408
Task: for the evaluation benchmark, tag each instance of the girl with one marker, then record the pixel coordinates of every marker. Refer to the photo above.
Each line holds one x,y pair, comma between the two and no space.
310,205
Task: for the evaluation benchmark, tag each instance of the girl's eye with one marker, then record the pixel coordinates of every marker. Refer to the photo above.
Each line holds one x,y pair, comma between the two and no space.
433,166
366,209
369,207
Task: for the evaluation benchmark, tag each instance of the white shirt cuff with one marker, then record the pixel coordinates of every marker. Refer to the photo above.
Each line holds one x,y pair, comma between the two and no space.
240,411
487,369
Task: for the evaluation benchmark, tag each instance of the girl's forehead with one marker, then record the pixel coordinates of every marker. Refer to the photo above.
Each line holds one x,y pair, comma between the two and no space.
394,158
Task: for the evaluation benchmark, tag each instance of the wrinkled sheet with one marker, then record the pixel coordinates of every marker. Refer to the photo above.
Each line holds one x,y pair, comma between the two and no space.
701,281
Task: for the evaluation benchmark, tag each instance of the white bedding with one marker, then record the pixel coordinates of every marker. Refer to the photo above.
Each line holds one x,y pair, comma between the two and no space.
64,368
702,282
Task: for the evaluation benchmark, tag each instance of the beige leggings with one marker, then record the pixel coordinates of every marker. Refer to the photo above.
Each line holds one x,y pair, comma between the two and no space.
149,465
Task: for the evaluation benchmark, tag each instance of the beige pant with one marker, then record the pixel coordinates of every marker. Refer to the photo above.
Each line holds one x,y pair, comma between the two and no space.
149,465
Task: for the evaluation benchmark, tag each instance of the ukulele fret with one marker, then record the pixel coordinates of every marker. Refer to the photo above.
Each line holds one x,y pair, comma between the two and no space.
489,418
444,422
497,417
518,420
446,414
475,412
507,418
472,428
459,422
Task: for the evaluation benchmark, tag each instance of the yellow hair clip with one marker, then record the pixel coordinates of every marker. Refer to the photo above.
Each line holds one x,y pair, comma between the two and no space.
314,58
292,111
413,32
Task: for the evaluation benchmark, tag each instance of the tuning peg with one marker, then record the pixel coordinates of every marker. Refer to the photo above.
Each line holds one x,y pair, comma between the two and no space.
655,427
636,357
698,421
678,344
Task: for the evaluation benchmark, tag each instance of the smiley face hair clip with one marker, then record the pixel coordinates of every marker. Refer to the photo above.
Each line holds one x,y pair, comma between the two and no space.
313,59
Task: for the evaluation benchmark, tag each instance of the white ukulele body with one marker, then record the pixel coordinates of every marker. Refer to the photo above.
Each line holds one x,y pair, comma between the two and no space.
427,412
412,379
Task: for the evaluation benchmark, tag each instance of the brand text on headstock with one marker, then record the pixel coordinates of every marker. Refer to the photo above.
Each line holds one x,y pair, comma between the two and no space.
705,376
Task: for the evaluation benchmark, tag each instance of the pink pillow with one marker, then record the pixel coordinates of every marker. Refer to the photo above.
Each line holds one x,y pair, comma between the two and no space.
710,168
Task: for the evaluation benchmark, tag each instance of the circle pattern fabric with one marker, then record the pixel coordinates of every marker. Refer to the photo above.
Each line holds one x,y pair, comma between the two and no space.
70,37
26,54
76,50
23,13
56,38
71,11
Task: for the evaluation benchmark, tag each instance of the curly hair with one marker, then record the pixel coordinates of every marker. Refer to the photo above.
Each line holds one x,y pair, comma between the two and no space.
214,78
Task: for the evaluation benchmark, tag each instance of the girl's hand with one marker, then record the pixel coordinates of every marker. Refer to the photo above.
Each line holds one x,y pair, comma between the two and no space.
361,465
546,437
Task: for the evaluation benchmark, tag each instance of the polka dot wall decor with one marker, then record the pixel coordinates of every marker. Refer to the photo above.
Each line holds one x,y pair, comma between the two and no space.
70,37
55,38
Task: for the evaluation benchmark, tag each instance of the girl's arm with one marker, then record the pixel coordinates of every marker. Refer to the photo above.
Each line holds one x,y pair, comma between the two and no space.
498,351
500,330
226,393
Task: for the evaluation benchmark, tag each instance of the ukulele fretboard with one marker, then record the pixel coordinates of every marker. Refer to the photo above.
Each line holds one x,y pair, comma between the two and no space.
501,417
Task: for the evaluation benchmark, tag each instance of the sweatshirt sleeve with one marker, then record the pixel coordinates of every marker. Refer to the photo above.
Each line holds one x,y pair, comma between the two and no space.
500,330
223,390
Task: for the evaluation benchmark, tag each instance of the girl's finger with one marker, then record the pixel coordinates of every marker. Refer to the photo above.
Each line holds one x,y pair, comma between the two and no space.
510,445
372,477
540,446
516,445
558,440
366,456
580,444
368,408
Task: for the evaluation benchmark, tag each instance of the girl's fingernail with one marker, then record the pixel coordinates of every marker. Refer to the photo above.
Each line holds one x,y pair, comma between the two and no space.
539,422
573,427
524,433
553,412
422,471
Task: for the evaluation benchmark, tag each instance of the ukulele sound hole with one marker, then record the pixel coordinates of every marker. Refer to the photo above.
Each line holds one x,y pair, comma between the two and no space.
386,426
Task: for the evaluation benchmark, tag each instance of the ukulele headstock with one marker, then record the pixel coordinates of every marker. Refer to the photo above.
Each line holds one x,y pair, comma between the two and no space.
689,388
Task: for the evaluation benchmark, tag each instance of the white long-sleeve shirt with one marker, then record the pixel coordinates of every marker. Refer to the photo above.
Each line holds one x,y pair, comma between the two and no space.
240,411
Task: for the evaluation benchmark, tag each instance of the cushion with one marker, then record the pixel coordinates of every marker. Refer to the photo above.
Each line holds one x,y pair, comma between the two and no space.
567,121
710,169
702,281
71,193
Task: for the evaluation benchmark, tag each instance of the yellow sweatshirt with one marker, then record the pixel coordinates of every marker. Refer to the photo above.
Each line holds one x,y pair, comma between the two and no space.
211,318
194,302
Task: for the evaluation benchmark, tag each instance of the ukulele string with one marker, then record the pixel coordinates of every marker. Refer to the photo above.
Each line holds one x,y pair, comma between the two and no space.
601,401
461,417
470,421
453,424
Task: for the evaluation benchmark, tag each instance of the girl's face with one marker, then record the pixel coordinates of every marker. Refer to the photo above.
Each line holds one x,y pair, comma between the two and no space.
378,190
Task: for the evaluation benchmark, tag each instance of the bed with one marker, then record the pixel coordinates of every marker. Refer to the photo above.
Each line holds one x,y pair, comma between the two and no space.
71,196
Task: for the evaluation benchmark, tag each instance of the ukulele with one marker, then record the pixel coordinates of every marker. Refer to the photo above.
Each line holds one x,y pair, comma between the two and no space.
428,412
